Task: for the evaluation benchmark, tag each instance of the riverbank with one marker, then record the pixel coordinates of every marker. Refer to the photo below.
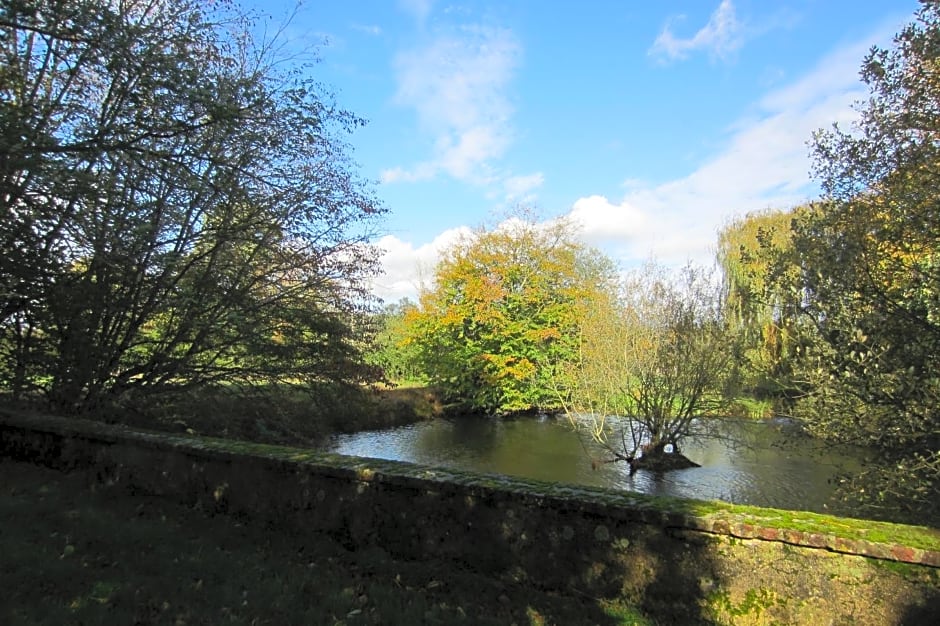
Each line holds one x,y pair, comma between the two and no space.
274,414
292,415
77,555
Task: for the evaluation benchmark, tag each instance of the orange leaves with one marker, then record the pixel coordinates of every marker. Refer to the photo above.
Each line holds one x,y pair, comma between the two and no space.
507,305
502,366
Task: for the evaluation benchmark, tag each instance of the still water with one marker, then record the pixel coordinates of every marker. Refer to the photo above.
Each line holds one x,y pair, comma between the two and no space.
762,463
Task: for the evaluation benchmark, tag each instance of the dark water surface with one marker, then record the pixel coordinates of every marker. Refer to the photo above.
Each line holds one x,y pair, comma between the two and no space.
767,466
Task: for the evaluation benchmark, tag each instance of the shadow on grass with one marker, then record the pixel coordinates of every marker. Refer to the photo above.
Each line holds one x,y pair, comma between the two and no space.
244,532
77,555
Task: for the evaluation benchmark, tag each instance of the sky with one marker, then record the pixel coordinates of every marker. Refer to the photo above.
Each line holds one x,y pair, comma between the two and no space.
650,124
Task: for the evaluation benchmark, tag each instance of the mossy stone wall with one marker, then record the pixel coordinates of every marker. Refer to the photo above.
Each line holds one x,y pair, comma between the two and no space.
682,561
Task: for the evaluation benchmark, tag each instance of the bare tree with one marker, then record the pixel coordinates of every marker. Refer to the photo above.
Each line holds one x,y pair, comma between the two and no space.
652,362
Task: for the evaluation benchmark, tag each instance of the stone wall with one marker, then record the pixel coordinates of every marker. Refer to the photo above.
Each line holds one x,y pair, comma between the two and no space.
682,561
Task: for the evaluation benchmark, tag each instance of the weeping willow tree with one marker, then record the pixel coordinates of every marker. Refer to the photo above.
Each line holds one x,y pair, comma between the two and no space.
762,297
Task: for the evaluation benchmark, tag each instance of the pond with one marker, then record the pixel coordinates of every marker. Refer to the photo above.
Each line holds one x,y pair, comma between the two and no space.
757,463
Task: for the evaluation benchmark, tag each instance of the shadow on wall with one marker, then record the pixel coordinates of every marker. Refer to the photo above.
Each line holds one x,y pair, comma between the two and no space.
570,541
600,544
537,541
920,614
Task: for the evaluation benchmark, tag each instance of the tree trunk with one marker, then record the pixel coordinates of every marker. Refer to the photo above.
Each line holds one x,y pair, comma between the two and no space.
654,457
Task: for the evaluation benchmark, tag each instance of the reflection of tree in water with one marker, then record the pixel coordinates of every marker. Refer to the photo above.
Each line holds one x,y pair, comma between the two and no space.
540,449
703,437
462,441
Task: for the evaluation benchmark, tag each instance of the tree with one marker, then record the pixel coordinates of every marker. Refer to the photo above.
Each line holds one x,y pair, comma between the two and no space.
870,254
394,352
504,314
650,365
177,205
763,299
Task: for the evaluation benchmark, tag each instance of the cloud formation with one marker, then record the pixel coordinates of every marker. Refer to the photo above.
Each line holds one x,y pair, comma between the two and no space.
765,163
603,222
456,84
368,29
720,37
419,9
521,188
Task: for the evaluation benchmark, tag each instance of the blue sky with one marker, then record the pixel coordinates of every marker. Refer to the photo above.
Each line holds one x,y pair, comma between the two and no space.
651,124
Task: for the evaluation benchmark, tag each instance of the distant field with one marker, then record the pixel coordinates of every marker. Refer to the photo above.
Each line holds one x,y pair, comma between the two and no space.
73,555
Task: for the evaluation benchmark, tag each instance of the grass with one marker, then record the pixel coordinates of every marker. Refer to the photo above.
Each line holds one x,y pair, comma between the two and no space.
78,555
748,407
279,414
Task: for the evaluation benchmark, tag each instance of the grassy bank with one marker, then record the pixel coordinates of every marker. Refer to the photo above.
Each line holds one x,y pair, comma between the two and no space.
748,407
73,555
276,414
288,415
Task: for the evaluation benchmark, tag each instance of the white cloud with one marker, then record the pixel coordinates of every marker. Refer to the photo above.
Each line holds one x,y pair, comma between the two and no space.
520,188
603,222
836,73
419,9
406,267
765,163
457,84
400,174
719,37
368,29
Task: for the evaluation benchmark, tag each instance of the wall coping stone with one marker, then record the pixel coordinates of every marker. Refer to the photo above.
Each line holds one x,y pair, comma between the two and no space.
813,530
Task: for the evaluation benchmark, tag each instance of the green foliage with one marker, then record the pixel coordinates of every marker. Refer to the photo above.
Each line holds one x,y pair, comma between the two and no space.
505,312
176,206
762,299
870,253
393,352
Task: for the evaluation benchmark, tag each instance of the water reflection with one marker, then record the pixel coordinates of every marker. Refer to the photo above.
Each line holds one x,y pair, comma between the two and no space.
751,463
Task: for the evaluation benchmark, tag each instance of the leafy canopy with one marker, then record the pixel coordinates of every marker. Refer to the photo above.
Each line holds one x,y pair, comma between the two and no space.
870,253
176,205
505,311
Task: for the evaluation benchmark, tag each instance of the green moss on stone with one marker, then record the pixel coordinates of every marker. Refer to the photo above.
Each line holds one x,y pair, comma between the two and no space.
909,571
755,602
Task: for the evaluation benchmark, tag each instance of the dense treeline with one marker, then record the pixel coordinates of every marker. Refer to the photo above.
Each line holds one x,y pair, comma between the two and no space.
844,303
177,207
